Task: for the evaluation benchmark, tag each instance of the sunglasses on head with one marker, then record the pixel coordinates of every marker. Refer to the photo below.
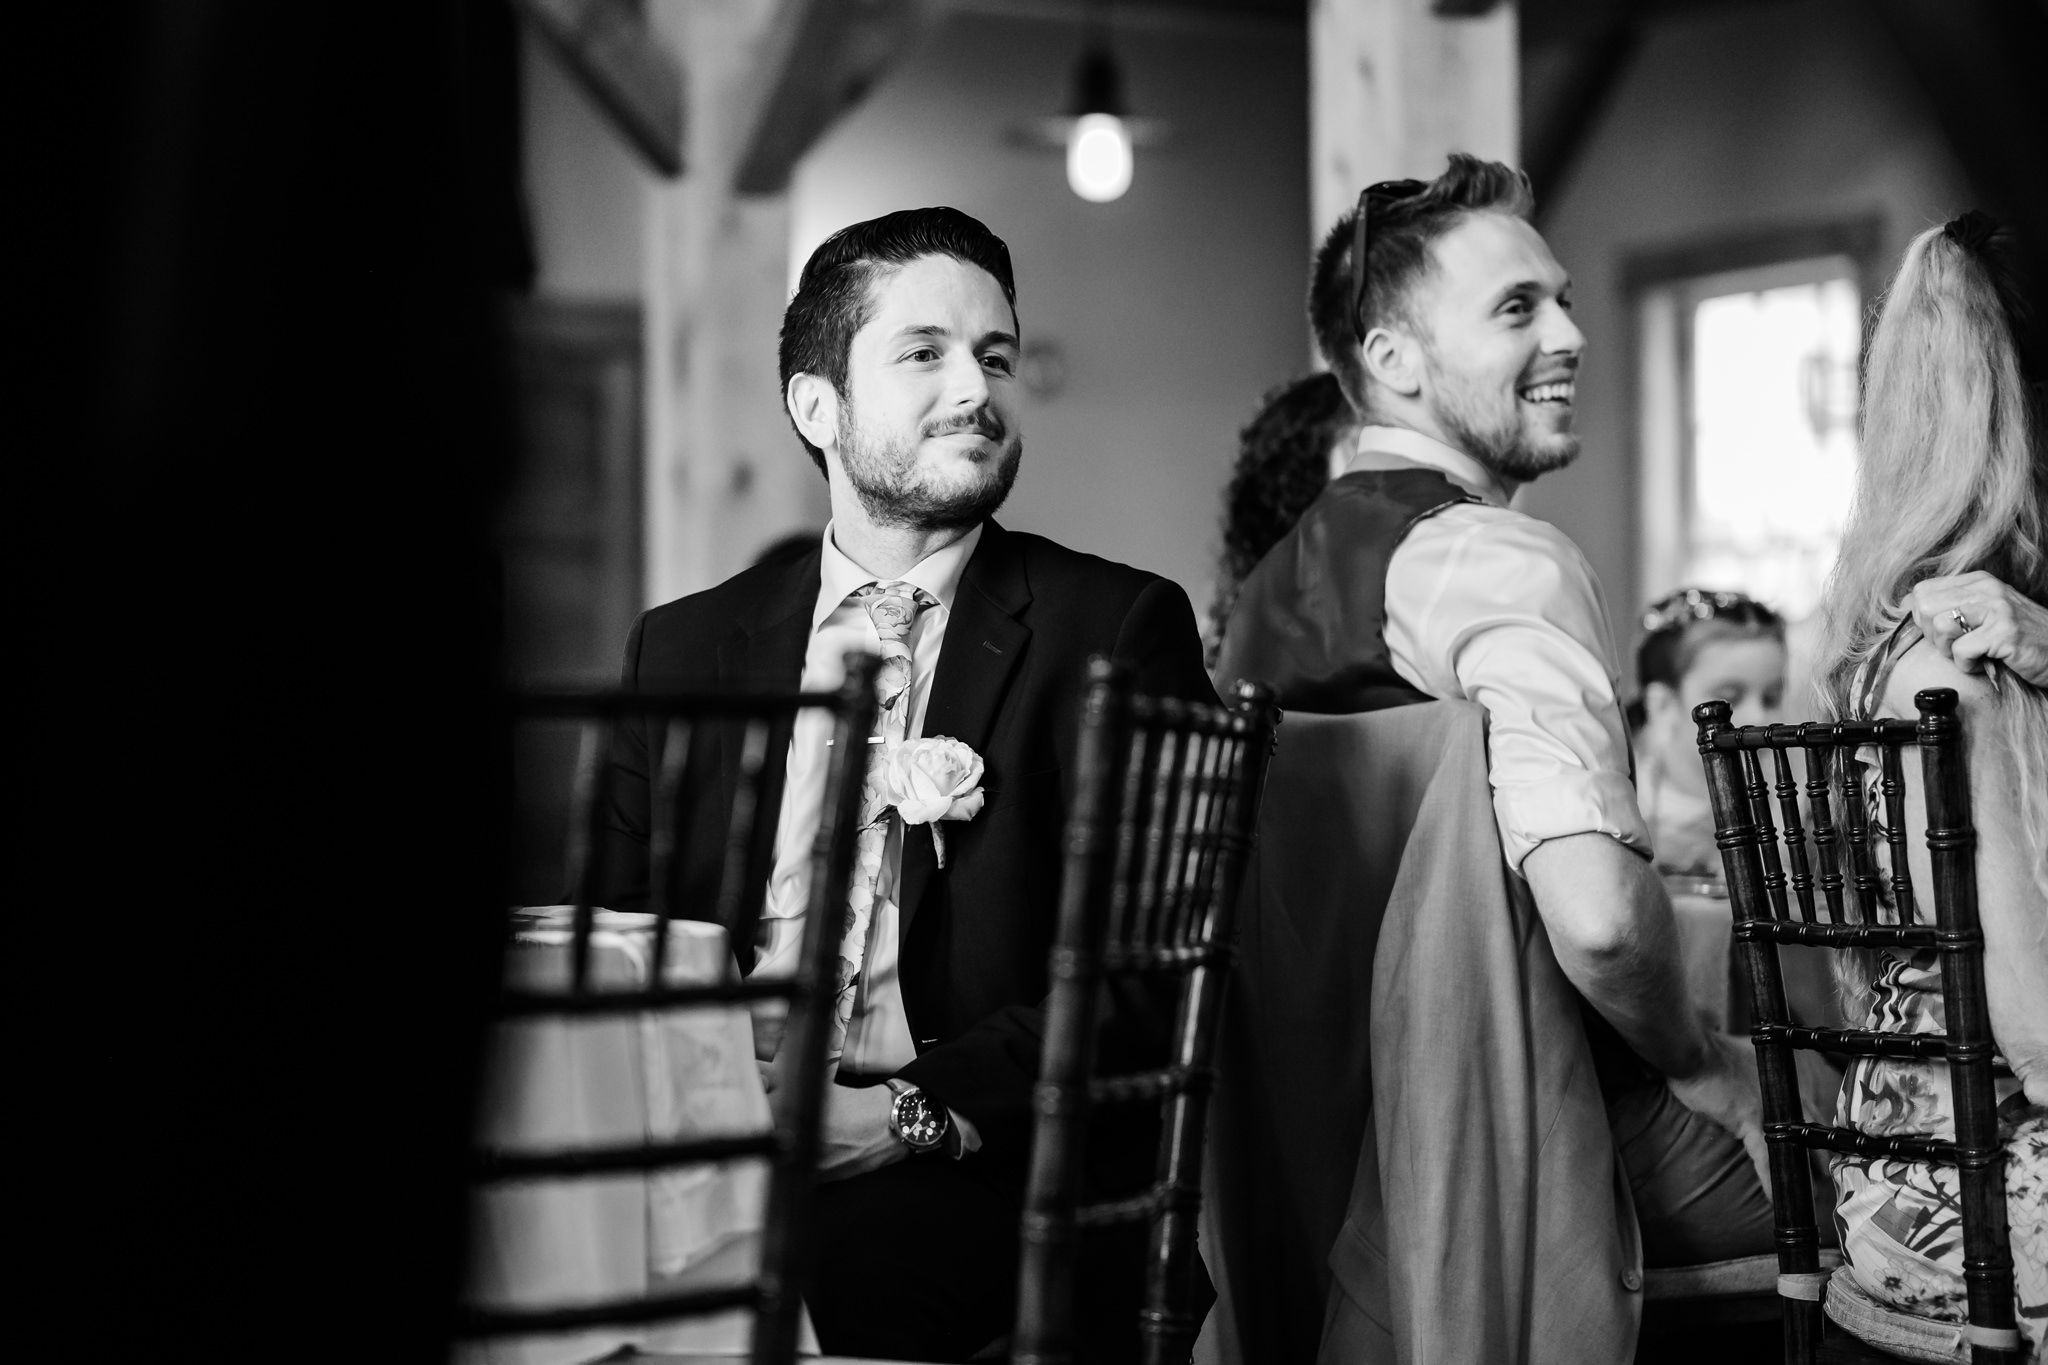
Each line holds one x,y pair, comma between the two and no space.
1386,191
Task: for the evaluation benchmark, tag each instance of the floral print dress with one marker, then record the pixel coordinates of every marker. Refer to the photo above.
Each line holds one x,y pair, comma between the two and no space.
1900,1222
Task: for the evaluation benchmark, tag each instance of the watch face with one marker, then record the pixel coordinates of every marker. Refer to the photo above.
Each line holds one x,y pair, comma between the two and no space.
919,1122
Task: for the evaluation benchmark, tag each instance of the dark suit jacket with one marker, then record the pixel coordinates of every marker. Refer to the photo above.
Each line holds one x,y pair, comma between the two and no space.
975,935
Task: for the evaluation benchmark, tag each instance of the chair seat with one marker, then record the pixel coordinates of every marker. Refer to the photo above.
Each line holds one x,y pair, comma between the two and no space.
1722,1279
1907,1335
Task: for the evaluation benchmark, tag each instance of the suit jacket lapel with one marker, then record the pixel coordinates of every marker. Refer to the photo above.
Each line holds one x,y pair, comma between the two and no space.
767,652
984,644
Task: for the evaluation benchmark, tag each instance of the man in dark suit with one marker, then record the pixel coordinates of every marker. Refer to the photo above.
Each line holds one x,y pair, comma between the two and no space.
899,365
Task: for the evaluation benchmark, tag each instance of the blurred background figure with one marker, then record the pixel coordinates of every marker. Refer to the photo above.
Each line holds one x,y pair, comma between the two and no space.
1703,645
1698,645
1298,442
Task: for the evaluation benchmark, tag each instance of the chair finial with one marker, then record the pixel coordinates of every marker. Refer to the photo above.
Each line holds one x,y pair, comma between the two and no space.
1936,701
1712,717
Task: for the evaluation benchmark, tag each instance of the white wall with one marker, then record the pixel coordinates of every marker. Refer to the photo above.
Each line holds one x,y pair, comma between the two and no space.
1175,307
584,186
1752,118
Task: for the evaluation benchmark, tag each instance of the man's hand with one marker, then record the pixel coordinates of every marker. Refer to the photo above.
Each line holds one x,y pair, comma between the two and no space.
856,1137
2004,625
1726,1091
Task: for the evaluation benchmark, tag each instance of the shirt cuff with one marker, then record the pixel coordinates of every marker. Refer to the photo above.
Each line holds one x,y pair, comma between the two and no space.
1571,801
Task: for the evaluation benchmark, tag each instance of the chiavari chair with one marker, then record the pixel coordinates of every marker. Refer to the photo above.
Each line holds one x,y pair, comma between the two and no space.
1787,887
1157,841
791,1146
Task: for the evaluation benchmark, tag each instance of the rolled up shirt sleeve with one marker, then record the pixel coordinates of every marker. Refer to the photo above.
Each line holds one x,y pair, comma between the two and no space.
1487,605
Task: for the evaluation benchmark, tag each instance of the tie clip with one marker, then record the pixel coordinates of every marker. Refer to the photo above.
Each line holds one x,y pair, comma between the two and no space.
872,739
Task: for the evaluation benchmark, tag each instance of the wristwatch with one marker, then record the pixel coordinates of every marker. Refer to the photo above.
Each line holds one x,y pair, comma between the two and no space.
917,1120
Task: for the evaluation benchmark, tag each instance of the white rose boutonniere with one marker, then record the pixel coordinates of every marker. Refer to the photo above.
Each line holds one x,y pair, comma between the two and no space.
933,779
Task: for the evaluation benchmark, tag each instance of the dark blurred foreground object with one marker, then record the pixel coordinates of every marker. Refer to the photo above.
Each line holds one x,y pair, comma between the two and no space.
754,721
279,670
1844,870
1165,814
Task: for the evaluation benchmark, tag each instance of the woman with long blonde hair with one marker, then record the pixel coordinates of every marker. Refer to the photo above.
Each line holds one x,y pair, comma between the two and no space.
1952,480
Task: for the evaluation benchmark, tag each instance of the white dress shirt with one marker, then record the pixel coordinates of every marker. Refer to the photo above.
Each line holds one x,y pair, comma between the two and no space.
1487,604
878,1040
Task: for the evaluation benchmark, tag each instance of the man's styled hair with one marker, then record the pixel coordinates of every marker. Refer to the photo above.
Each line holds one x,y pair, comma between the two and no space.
1402,230
834,296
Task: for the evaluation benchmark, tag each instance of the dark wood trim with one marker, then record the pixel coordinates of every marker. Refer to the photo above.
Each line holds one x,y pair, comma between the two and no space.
587,324
1860,238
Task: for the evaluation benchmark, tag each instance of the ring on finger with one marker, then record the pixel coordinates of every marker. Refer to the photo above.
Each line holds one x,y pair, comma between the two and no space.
1962,621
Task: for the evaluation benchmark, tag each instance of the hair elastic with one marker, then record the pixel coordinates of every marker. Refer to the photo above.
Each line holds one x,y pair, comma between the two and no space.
1971,231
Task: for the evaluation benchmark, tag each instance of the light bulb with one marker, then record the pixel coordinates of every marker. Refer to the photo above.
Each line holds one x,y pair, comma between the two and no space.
1099,158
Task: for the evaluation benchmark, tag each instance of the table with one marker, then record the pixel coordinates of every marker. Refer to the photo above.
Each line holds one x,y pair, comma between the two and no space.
1705,933
619,1079
1706,936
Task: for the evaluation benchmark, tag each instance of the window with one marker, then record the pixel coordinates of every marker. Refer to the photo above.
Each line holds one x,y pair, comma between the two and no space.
1749,428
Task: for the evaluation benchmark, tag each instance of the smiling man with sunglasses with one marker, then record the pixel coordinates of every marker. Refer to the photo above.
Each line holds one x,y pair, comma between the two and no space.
1447,321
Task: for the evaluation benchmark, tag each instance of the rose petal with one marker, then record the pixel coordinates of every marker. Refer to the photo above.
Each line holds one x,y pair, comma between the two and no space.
922,812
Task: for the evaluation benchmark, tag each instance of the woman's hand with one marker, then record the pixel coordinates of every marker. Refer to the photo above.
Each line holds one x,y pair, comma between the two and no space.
2003,624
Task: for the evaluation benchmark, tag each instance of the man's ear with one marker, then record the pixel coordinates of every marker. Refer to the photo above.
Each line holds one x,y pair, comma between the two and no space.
814,406
1394,360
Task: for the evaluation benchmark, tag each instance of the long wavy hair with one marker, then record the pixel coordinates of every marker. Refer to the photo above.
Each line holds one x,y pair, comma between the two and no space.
1952,476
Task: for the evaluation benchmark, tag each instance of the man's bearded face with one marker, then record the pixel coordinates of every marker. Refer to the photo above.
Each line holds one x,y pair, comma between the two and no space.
1500,350
900,488
928,434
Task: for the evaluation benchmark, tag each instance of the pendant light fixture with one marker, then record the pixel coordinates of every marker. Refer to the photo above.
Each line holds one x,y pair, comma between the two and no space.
1098,135
1099,156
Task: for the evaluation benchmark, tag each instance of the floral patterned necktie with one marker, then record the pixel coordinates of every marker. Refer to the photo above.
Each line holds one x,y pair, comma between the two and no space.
894,608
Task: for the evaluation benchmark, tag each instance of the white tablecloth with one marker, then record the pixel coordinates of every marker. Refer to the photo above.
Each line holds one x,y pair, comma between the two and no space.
607,1080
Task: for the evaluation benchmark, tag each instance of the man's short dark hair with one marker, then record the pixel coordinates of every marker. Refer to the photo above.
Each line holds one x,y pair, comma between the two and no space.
834,296
1402,230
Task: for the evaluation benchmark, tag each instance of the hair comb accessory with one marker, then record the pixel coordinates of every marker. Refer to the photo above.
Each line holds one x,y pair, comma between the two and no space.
1697,604
1971,231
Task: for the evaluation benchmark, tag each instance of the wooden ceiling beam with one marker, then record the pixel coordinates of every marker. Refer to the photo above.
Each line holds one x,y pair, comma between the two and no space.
620,65
817,59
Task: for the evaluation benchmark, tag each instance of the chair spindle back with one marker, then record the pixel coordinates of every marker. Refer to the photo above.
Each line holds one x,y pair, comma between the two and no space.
1157,840
1855,894
746,853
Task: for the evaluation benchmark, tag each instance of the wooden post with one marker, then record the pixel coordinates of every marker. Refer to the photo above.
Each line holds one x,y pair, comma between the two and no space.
1394,88
725,474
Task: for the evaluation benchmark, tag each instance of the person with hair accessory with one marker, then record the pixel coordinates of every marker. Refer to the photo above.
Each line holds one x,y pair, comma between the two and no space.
1447,320
898,359
1950,516
1697,644
1700,644
1299,440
